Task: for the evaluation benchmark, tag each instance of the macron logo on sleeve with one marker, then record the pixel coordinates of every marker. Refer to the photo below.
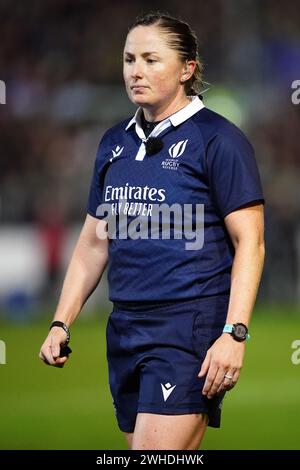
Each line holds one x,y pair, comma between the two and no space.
116,152
167,390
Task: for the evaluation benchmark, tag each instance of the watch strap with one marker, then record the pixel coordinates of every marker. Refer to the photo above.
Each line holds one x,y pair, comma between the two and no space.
229,327
64,326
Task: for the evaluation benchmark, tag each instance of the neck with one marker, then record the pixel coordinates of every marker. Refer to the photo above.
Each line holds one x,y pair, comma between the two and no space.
165,110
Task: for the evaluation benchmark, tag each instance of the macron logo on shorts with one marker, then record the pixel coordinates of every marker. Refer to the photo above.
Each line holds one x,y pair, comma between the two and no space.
167,390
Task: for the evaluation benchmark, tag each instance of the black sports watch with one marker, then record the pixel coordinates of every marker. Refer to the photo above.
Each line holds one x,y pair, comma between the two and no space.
238,331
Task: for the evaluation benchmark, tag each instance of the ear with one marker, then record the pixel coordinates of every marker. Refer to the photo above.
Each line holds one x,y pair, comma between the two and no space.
188,70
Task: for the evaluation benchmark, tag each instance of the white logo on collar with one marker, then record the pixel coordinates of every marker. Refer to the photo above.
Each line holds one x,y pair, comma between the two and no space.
177,149
167,390
117,152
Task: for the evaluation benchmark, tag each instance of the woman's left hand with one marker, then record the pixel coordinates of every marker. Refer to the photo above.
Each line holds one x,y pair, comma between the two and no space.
222,364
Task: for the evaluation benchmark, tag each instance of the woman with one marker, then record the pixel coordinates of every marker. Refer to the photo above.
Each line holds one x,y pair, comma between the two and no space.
176,336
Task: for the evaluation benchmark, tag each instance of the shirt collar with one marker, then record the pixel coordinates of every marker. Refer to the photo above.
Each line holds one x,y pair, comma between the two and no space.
177,118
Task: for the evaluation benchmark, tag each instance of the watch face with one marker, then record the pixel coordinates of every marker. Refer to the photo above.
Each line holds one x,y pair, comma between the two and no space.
240,331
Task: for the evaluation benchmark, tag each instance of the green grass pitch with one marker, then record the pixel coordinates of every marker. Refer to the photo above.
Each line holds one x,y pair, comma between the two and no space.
47,408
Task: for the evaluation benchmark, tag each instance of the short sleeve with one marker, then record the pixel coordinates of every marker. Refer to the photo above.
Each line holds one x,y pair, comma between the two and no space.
95,198
232,171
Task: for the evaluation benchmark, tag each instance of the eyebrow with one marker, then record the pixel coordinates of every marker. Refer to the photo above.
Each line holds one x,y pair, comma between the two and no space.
145,54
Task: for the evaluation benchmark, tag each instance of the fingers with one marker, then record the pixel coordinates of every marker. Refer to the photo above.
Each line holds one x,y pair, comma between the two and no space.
60,361
43,357
235,376
222,365
211,386
48,358
210,378
46,354
229,381
55,347
228,384
205,364
50,350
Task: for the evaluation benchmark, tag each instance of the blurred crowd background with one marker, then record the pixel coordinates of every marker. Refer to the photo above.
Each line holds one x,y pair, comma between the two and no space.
61,61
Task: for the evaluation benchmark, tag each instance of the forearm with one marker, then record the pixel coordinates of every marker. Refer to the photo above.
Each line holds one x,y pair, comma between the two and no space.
245,278
83,275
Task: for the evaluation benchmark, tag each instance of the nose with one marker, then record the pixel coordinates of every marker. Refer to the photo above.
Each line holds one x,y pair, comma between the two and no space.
137,70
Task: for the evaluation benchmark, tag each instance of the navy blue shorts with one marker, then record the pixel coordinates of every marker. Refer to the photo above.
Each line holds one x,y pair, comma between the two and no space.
155,352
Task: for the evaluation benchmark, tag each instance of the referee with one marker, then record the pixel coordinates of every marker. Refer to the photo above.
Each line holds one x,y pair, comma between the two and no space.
177,334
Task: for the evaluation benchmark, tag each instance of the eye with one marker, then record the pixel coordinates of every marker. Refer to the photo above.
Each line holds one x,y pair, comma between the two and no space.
151,61
128,60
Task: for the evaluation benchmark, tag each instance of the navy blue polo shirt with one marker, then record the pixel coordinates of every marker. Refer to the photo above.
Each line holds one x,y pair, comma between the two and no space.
205,160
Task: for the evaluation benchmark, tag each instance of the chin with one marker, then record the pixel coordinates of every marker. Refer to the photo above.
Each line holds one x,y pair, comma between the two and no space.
140,100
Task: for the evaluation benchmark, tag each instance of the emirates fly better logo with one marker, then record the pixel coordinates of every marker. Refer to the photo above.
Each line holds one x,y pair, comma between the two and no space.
142,212
175,151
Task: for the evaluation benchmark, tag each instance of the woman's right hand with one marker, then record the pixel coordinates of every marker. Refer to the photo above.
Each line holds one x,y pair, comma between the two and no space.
50,349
